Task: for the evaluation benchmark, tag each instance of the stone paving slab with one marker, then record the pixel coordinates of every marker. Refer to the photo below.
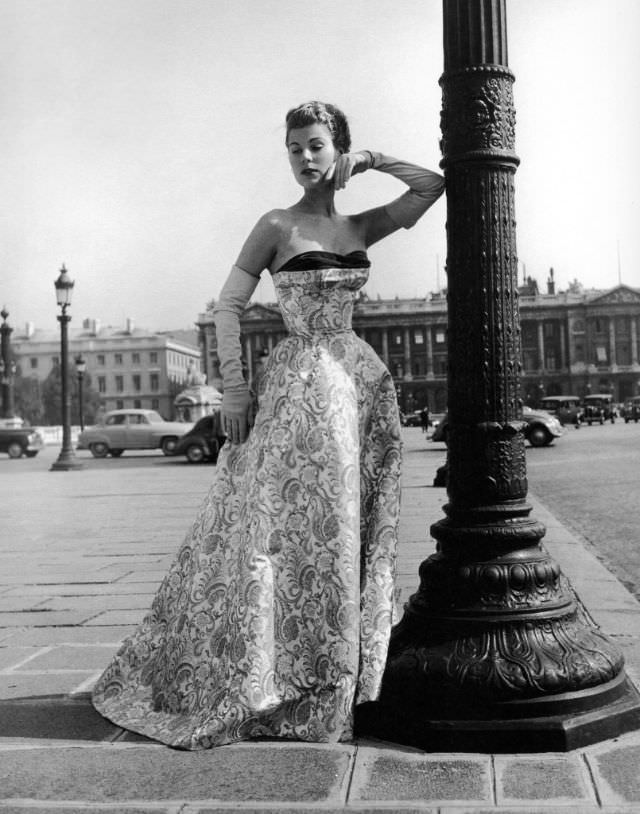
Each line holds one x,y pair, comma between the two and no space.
386,774
129,774
53,718
529,780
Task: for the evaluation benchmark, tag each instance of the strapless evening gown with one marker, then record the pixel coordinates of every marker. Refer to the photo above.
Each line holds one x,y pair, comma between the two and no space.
274,618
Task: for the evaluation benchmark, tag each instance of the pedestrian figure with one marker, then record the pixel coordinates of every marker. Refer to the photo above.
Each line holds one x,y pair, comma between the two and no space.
425,419
274,618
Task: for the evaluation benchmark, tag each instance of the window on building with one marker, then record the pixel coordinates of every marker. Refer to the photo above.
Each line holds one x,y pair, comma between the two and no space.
155,404
135,358
33,362
440,366
119,384
154,381
102,384
549,330
623,353
397,338
137,404
601,355
578,352
578,326
550,360
440,337
119,404
530,359
118,358
418,337
55,361
153,357
100,360
137,382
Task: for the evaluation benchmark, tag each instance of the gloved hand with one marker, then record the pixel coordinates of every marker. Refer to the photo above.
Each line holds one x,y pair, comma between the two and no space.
348,164
237,413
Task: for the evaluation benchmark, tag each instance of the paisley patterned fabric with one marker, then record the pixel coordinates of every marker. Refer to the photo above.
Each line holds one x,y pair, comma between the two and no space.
274,618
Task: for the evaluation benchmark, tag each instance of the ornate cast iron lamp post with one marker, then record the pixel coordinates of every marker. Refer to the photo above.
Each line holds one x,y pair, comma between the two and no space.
81,367
493,652
66,459
7,367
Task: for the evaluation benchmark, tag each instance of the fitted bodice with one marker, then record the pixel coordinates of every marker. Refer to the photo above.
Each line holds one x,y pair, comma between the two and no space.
316,291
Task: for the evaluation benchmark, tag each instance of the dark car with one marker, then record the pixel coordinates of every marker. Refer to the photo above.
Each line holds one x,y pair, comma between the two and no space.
599,407
19,441
413,419
567,409
541,428
203,442
631,410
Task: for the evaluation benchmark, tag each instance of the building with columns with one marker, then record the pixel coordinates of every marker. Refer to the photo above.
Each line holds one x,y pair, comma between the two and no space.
573,342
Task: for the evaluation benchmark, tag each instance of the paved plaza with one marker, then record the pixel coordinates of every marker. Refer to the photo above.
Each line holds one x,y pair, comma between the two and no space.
82,553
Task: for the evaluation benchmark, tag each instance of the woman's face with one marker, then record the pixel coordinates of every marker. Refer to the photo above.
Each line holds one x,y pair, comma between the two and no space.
311,154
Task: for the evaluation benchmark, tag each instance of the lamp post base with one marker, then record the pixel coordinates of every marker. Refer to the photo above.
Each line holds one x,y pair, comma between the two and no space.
65,462
491,730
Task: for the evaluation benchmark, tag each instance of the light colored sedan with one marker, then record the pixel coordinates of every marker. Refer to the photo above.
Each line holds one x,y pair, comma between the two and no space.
132,429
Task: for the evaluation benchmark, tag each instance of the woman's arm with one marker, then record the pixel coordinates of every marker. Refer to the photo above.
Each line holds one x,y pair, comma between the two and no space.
242,281
425,187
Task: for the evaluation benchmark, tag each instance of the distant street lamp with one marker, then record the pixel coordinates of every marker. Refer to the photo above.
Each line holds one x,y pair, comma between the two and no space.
81,367
7,366
66,459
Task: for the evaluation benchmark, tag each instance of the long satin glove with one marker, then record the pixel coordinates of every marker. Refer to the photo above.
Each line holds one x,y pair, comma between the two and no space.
425,187
237,412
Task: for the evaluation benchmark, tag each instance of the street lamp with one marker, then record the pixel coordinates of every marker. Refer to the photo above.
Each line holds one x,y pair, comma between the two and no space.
7,367
66,459
81,367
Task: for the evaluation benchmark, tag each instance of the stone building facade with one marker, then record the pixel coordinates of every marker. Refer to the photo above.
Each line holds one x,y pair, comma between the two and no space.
574,342
128,366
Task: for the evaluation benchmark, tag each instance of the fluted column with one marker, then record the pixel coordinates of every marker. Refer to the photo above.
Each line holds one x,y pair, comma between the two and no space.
613,361
541,360
385,346
406,335
429,350
492,650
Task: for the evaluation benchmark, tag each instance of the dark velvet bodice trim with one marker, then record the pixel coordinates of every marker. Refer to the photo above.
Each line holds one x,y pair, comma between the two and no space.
308,261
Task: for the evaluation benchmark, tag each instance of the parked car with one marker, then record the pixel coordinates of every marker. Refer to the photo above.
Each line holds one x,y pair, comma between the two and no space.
131,429
631,409
541,428
203,442
20,441
413,419
599,407
567,409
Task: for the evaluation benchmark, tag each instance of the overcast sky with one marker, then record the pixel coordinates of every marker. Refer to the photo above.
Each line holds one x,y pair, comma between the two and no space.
142,139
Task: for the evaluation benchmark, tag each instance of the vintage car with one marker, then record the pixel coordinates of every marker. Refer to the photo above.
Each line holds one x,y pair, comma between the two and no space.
599,407
567,409
20,441
541,428
203,442
631,410
131,429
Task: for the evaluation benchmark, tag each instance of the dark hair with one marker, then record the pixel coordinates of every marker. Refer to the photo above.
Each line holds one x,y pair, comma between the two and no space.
320,113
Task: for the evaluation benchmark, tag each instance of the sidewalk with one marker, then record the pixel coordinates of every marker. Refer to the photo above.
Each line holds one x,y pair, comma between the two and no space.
82,553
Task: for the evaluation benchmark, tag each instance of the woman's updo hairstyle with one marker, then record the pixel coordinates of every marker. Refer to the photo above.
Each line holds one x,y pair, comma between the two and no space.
320,113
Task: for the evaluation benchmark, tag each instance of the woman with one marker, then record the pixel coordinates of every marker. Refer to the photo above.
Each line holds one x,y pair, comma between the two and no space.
274,618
